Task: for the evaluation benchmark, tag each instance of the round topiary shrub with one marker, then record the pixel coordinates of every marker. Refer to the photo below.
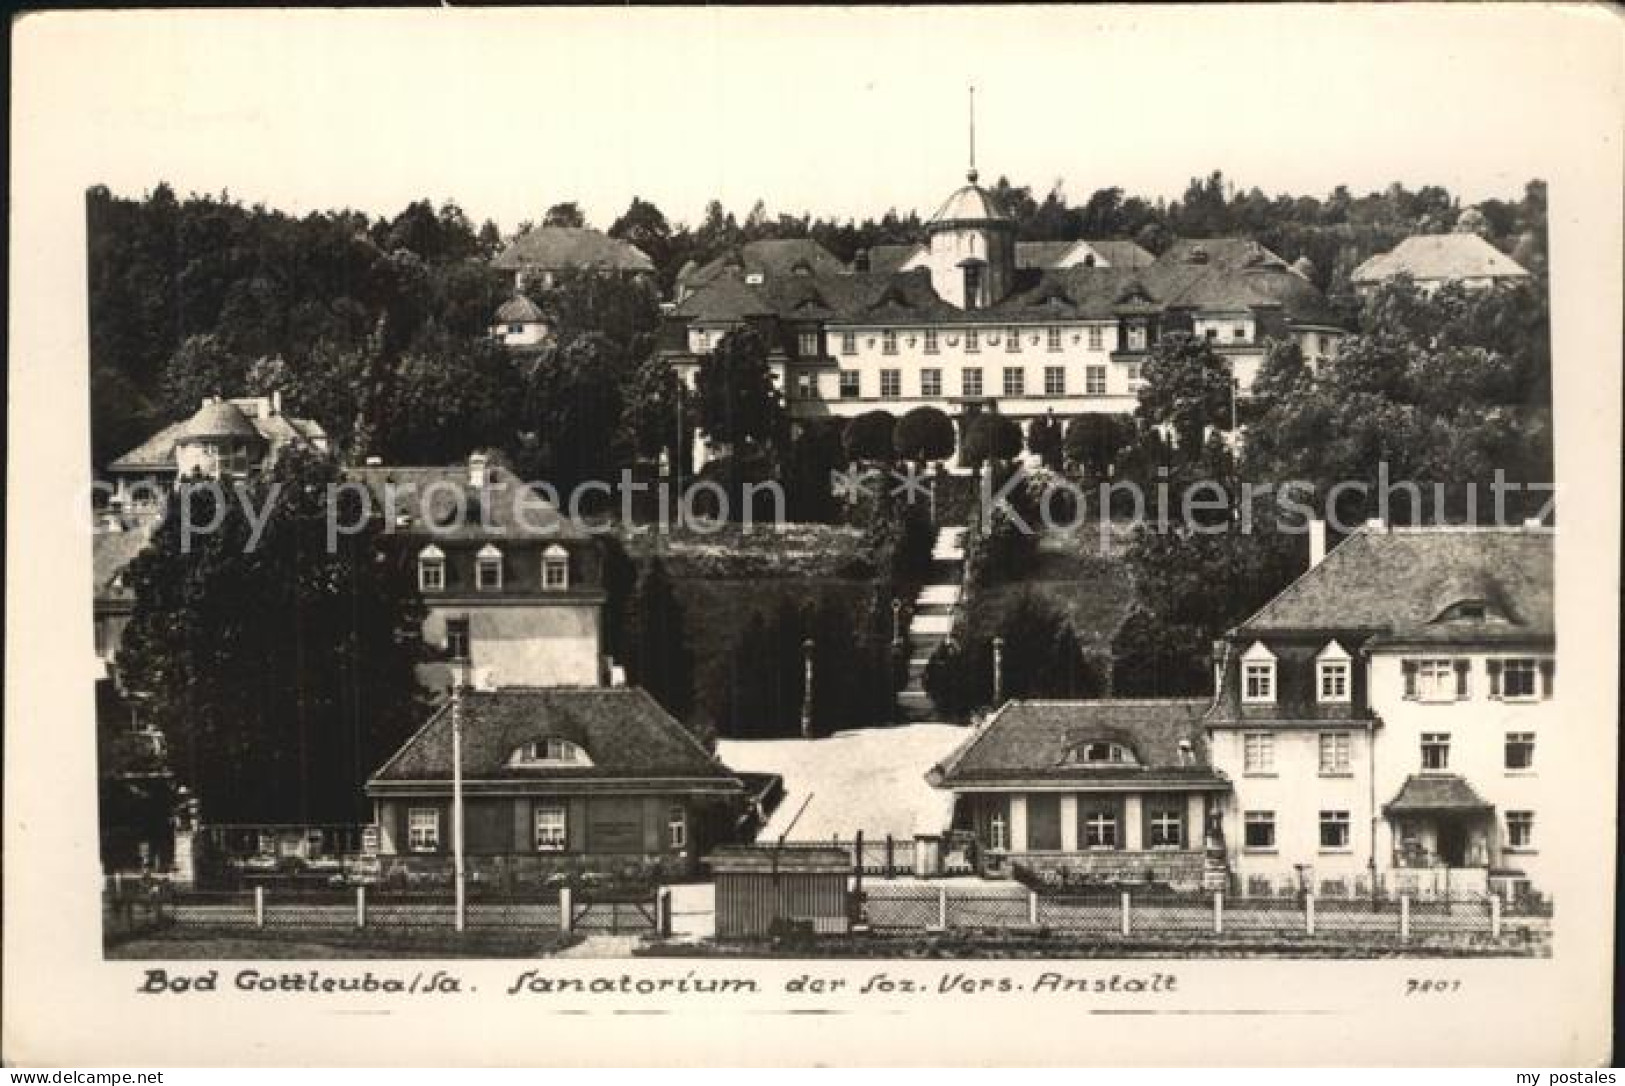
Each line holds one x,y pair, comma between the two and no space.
869,436
925,433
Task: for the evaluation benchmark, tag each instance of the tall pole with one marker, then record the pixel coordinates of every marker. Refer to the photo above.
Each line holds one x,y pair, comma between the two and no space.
998,671
677,456
459,876
973,133
807,688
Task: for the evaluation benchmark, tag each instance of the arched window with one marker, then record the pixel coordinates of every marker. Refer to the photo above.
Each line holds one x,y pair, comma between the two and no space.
550,751
431,569
488,569
555,569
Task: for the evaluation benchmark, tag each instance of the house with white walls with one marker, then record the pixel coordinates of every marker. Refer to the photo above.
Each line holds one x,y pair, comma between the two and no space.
1385,716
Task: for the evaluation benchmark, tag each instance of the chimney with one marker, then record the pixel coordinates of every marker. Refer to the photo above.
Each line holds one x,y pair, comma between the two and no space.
860,262
477,476
1317,542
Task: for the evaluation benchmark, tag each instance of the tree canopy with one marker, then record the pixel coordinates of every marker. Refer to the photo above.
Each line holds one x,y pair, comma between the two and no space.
283,674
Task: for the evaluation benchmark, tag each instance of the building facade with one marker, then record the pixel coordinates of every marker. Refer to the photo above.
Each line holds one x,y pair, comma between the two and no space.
963,323
223,438
1383,717
555,781
1081,791
512,588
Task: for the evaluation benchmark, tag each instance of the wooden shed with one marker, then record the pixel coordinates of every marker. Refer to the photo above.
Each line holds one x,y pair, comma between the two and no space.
765,890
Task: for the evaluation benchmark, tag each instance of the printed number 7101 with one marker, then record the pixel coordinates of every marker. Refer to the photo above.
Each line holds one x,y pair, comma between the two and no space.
1431,987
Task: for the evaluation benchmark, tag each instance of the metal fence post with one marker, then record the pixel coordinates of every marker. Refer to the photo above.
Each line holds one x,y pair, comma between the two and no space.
1309,914
259,906
663,911
1404,916
1128,925
1218,912
1032,907
566,917
942,908
1495,916
361,906
890,870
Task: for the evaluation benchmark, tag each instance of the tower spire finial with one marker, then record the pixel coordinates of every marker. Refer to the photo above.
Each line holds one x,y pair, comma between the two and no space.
971,175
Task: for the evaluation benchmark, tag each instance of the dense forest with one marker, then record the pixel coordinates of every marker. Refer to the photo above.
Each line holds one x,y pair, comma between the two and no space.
376,326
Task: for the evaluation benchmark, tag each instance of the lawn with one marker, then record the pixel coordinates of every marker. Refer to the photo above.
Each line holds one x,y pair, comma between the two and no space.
871,780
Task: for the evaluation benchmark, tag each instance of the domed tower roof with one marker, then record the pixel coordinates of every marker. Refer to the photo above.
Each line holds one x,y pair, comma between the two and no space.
217,420
970,204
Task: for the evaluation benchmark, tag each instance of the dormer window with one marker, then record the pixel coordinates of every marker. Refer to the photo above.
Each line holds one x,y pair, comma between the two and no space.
1101,752
555,569
431,569
1258,675
1333,669
551,751
488,569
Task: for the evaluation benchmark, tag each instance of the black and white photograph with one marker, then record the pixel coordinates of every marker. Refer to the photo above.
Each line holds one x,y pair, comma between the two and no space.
648,503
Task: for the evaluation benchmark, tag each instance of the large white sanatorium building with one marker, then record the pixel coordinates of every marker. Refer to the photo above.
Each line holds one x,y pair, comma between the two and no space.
972,319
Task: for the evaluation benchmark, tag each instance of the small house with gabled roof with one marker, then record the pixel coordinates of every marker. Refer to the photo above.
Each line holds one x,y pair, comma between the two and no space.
1102,791
555,781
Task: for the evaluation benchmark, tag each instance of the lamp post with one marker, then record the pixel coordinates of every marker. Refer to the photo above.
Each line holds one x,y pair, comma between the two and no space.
807,688
998,670
459,875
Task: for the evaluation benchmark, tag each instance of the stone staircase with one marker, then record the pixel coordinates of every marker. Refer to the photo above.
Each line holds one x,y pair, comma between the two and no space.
932,620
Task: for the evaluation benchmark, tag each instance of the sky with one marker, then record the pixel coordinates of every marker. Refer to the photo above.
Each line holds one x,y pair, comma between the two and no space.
841,112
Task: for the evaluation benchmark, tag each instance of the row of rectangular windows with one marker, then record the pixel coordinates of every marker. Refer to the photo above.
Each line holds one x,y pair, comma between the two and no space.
1429,680
1258,829
550,828
970,382
1098,829
1258,752
488,573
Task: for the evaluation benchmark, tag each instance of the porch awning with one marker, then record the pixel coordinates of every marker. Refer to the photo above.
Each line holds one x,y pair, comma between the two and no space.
1441,793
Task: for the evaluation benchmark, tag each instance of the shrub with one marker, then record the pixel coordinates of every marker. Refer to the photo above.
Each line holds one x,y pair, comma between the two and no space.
991,436
869,436
1044,441
1093,441
925,433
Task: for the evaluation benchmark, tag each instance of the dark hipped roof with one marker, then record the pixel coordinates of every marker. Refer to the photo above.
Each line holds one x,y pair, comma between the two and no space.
1121,253
221,419
428,498
1434,792
1032,741
1440,256
625,733
885,259
1058,254
1398,582
556,248
772,258
1228,284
